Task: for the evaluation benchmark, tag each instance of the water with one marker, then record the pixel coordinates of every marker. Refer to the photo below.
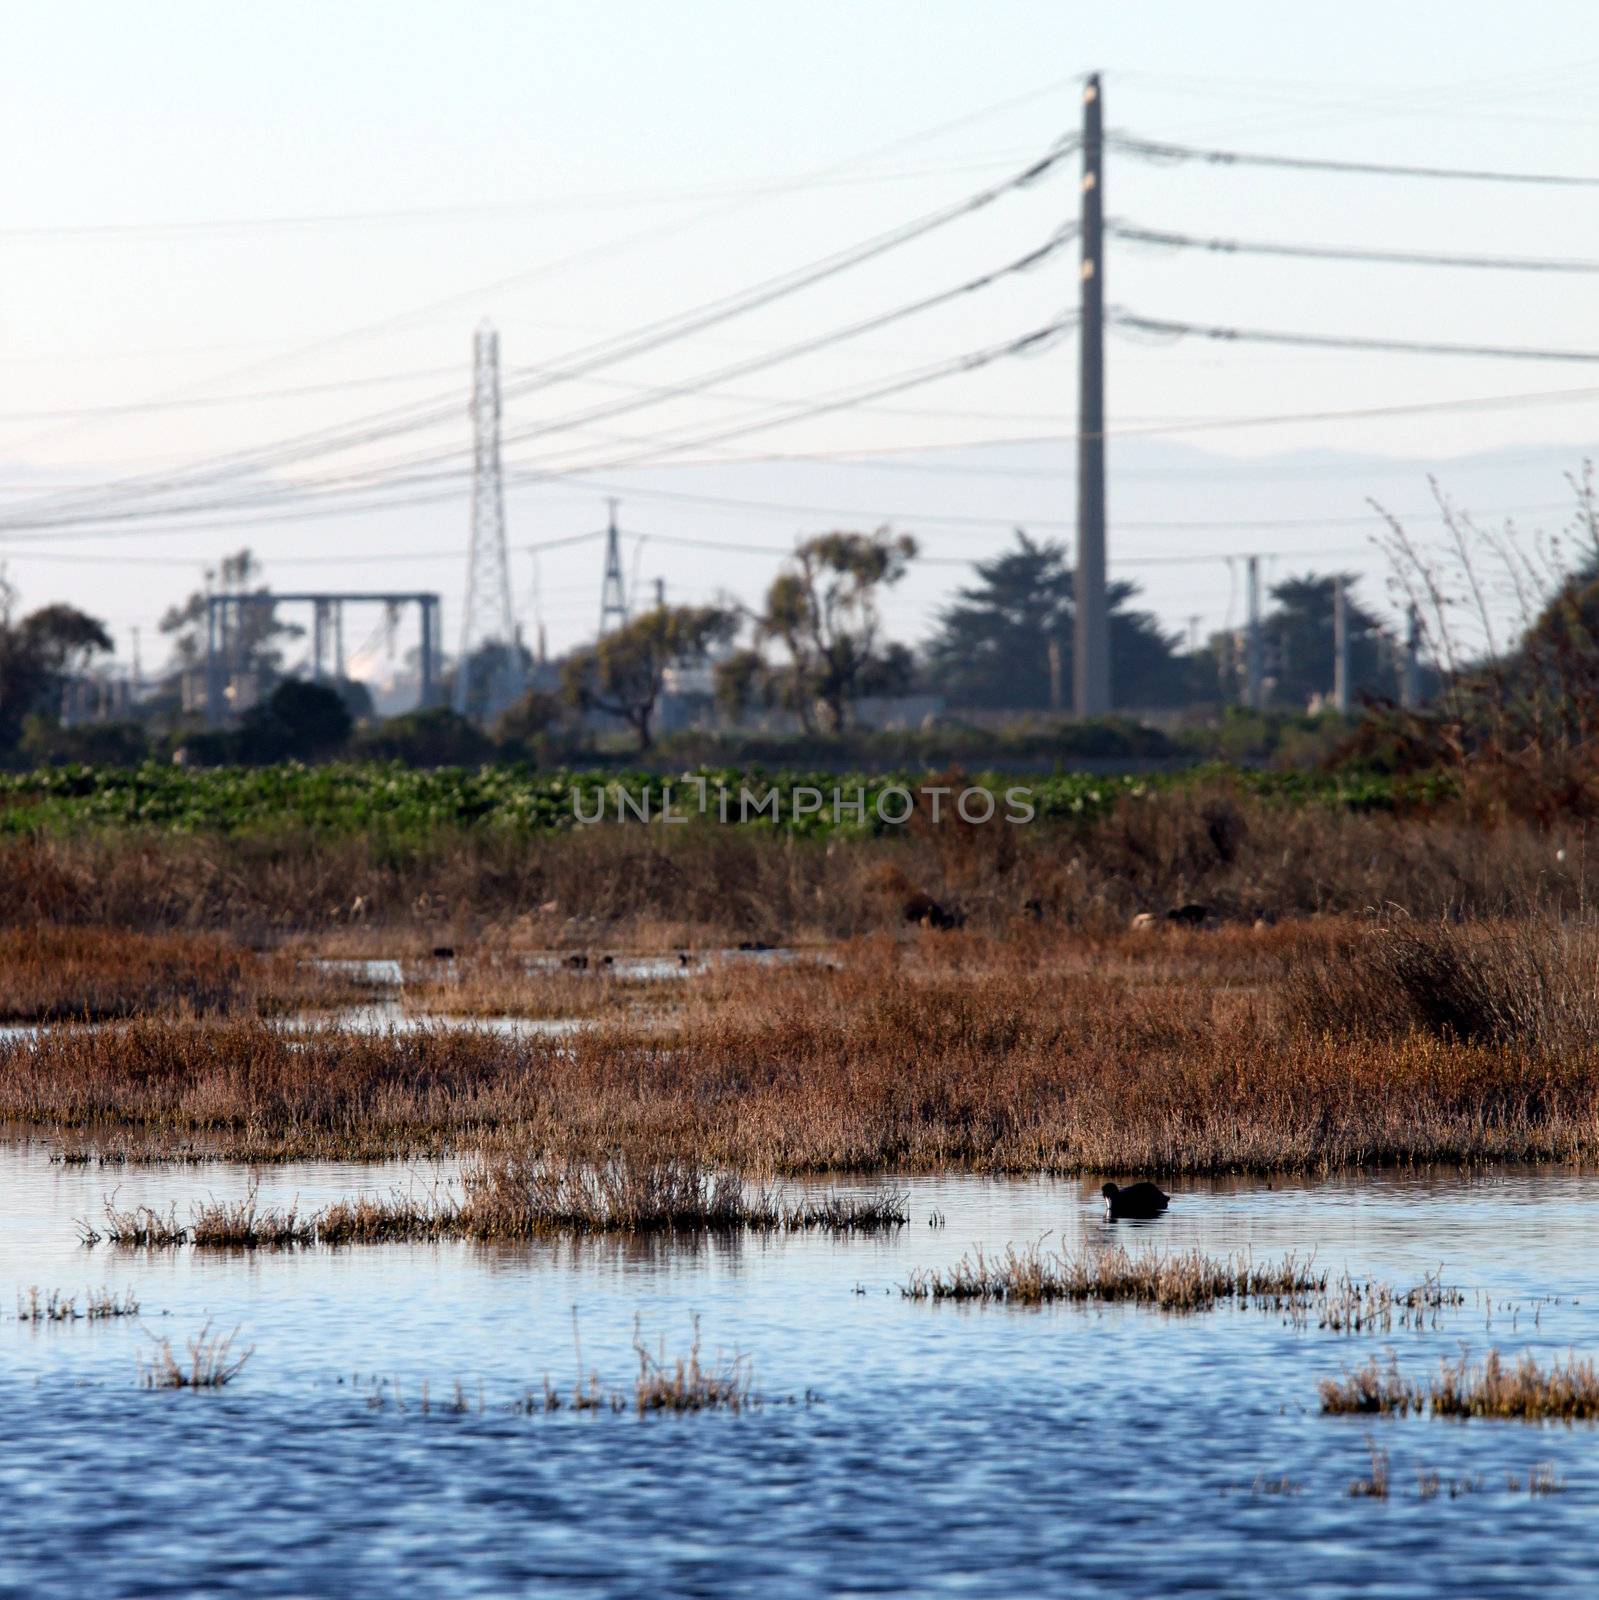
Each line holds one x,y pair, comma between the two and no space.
970,1450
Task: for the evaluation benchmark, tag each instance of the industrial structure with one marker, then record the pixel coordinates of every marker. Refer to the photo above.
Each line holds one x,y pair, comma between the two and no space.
224,617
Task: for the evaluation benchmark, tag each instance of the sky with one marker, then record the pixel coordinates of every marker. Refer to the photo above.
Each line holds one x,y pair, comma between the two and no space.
225,226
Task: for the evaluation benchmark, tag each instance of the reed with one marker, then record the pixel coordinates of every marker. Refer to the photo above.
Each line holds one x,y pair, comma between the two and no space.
243,1225
141,1227
1564,1391
687,1383
212,1362
1374,1487
521,1197
1187,1281
98,1305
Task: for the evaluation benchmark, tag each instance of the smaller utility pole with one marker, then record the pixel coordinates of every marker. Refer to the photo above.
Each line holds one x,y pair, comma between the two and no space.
1340,622
1410,673
660,594
1253,673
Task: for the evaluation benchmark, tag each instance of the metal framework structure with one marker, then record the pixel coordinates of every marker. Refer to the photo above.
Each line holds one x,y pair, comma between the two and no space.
613,597
223,628
487,618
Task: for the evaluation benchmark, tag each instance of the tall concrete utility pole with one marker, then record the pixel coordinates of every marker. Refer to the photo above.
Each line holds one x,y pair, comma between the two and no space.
487,617
1254,673
1091,642
613,598
1340,622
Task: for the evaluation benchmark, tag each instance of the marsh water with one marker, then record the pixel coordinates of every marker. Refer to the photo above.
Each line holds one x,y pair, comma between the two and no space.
929,1448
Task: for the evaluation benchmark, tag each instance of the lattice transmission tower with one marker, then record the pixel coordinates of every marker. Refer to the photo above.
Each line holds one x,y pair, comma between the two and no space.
613,597
487,681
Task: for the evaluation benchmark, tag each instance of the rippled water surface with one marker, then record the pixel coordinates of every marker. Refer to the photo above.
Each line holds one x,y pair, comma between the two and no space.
971,1450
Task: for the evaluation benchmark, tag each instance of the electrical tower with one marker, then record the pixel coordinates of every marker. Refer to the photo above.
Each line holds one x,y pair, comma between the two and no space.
613,598
487,618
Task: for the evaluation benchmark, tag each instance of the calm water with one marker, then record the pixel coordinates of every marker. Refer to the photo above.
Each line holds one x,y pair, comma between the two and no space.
972,1451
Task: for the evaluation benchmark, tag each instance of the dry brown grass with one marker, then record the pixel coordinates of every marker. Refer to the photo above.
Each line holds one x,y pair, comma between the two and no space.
1043,1051
98,1306
92,974
211,1363
1565,1391
521,1197
1185,1281
667,888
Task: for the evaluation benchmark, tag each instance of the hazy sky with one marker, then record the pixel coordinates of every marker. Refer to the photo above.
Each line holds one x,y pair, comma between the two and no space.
210,202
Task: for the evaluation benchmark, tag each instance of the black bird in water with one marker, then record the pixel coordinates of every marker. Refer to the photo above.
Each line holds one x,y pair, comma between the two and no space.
1140,1201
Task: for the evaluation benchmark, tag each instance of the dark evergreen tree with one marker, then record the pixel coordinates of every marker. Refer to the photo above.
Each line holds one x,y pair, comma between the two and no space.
1007,639
1298,636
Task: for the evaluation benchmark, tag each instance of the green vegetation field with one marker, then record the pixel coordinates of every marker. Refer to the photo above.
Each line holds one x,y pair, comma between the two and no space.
396,800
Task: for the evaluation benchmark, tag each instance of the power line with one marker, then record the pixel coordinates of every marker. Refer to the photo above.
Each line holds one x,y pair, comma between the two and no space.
1319,341
605,353
1160,150
486,210
204,401
1318,252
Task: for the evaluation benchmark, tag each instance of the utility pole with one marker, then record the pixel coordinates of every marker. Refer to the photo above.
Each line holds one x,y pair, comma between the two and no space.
1410,673
613,598
660,594
488,575
1340,621
1253,673
1091,659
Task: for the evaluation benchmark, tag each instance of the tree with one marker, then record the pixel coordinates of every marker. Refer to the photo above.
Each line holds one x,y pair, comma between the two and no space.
624,673
299,720
493,670
1006,642
37,655
823,611
436,737
254,645
531,717
1298,637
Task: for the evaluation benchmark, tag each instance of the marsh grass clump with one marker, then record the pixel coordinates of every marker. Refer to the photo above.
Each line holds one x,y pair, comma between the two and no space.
1374,1389
1374,1487
243,1225
98,1305
514,1197
688,1384
211,1363
1187,1281
1565,1391
139,1227
841,1213
1374,1307
368,1220
519,1197
681,1384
